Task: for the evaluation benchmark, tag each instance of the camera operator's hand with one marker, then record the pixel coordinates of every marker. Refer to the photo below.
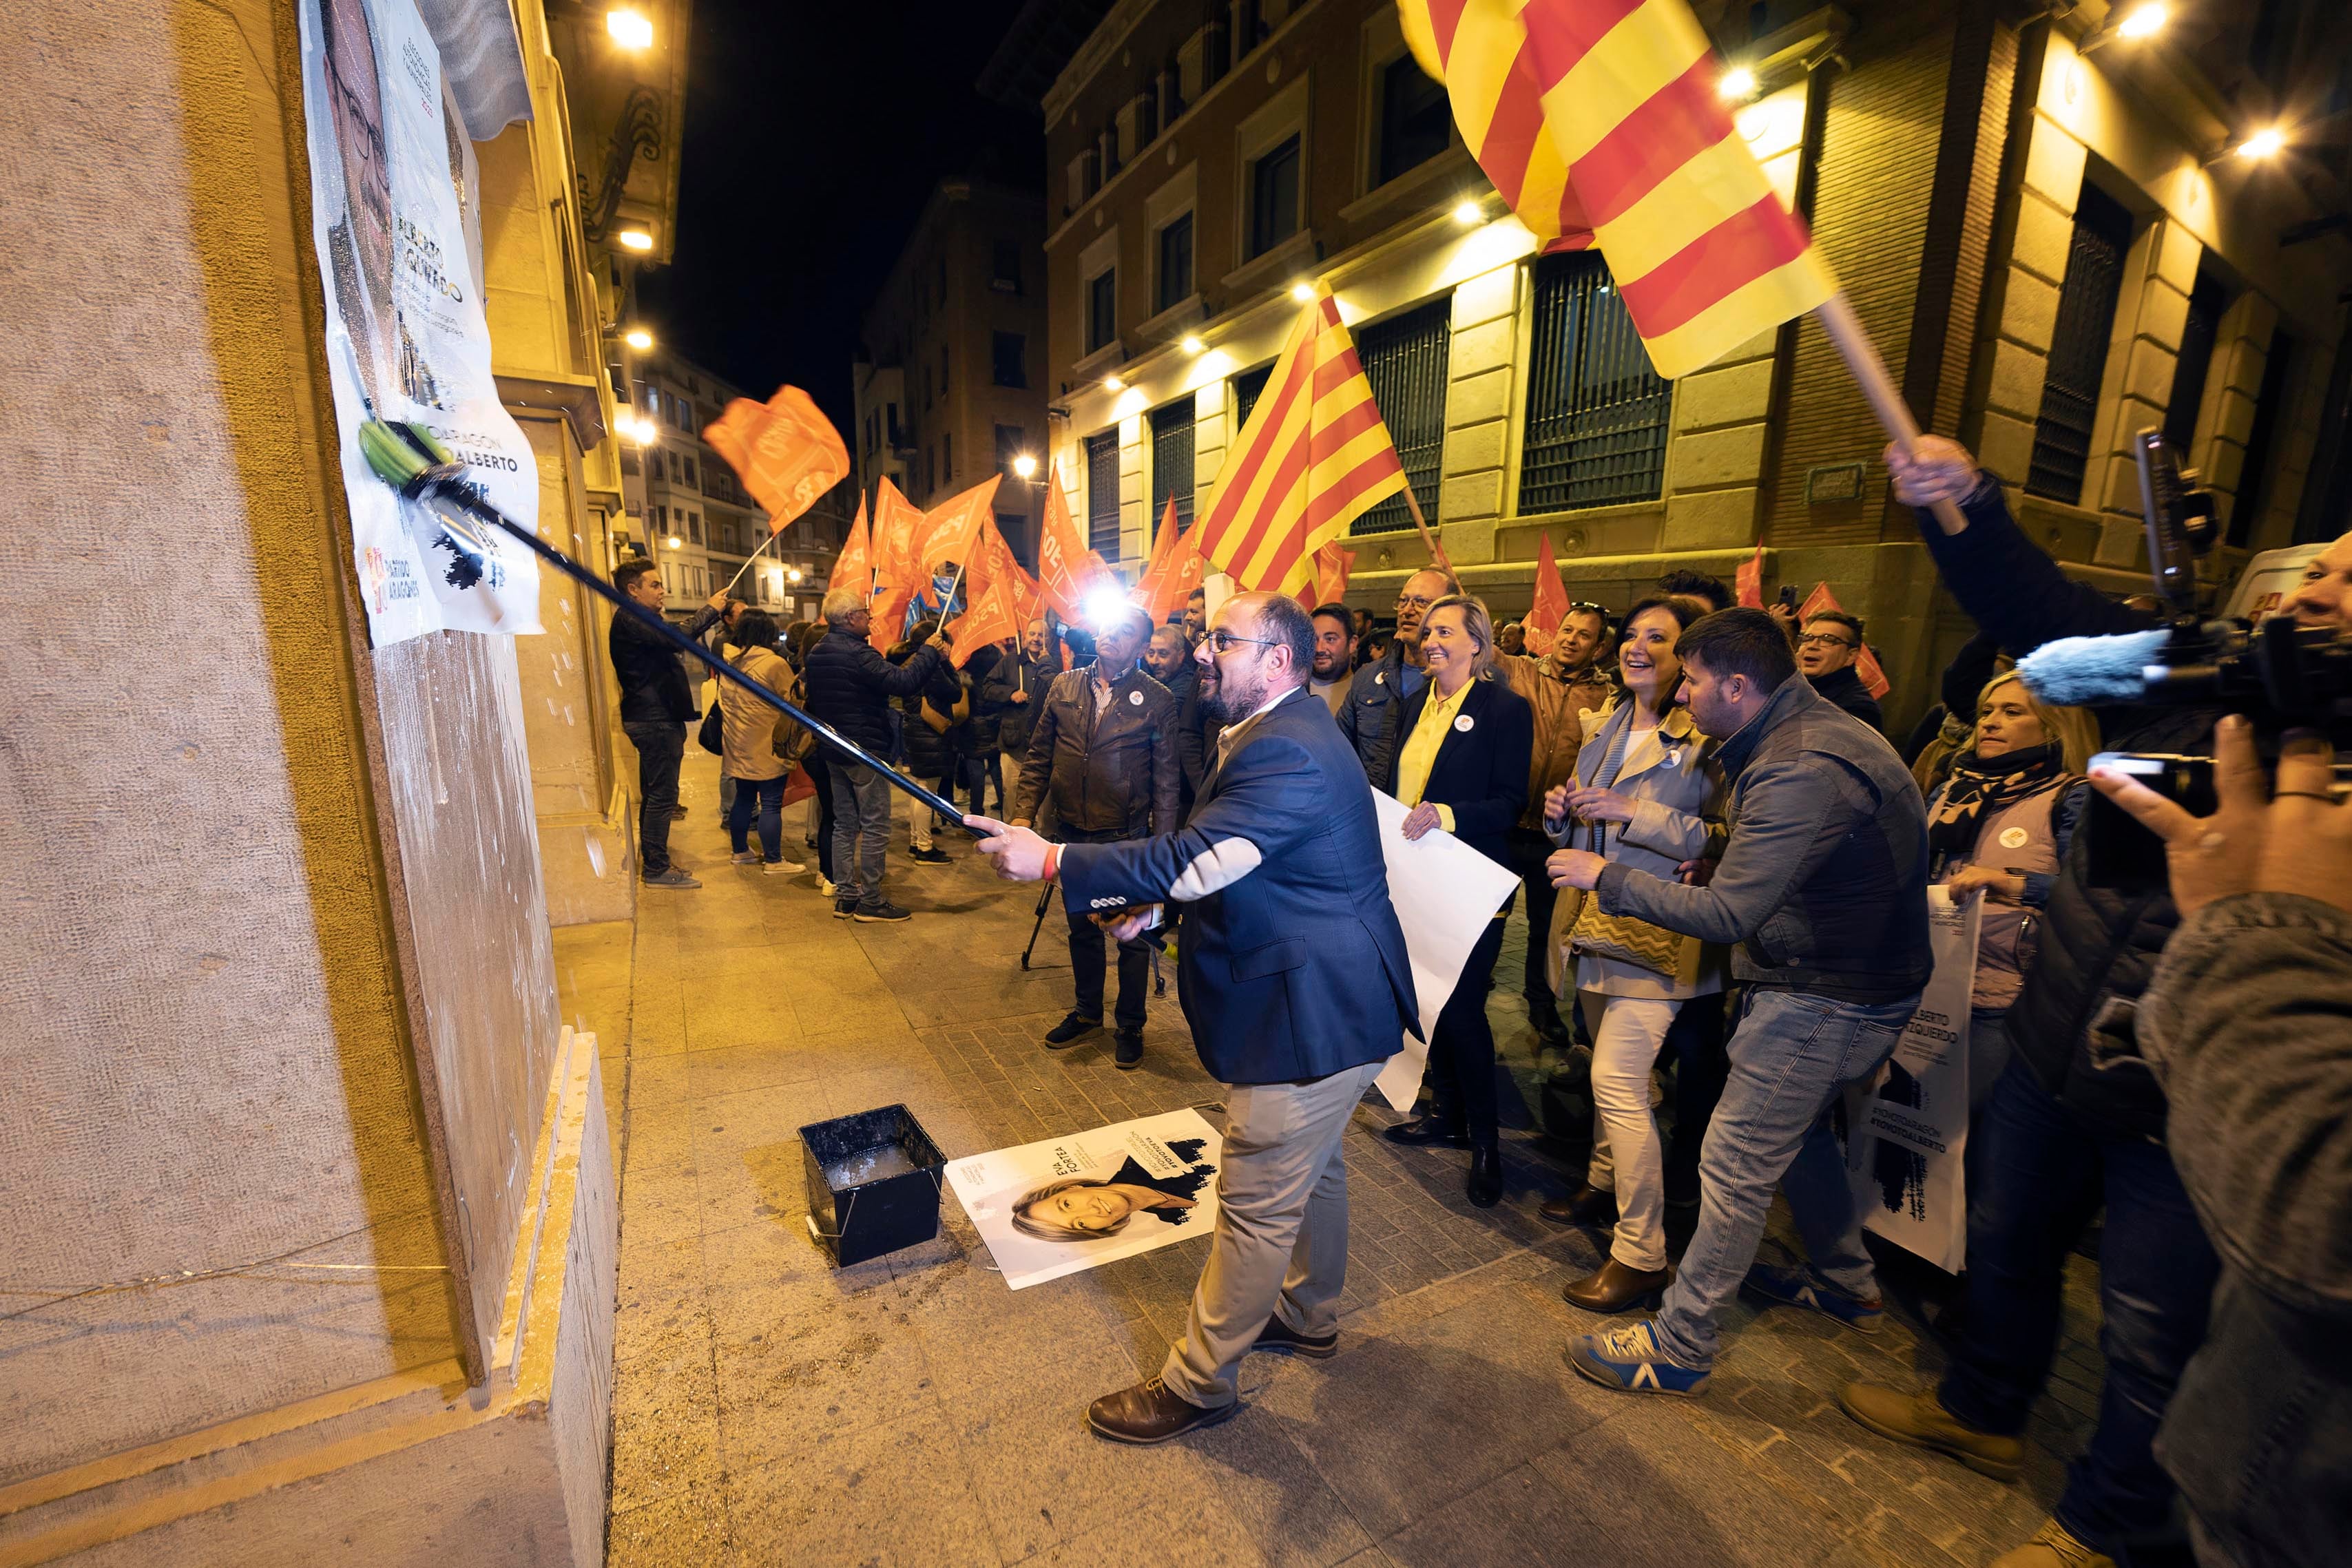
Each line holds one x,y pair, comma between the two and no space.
1936,468
2299,842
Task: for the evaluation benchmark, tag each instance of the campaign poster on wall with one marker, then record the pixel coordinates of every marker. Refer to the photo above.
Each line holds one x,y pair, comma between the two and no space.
1907,1128
1056,1207
407,337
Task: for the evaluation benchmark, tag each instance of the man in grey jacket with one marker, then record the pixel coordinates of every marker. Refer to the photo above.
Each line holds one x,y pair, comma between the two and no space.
1821,893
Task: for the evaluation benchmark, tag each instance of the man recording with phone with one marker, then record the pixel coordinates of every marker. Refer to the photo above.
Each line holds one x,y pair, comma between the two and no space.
2248,1023
2077,1118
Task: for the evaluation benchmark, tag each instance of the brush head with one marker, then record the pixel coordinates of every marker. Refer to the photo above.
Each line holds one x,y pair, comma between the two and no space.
2075,671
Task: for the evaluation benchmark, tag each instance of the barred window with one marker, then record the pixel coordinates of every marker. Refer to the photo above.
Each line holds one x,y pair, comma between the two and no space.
1246,388
1596,422
1102,492
1171,463
1404,362
2078,348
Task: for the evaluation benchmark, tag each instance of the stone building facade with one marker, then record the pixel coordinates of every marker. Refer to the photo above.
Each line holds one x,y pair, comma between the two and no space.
1202,175
950,381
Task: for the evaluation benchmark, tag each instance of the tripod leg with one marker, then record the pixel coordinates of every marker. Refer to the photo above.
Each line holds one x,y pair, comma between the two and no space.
1044,897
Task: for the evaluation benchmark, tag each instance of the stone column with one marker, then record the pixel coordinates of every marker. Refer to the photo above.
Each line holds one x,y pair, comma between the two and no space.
1481,395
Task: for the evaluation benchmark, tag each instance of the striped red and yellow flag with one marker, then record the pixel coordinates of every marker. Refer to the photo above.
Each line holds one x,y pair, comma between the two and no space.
1313,458
1636,141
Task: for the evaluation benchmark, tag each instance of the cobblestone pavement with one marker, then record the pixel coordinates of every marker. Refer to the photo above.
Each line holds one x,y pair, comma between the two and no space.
770,1408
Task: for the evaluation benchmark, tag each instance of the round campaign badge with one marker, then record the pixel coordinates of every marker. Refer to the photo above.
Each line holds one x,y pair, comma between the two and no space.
1136,698
2013,838
1674,759
1463,723
1380,677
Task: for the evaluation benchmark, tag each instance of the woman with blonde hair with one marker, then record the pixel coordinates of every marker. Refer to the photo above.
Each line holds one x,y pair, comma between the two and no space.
2000,825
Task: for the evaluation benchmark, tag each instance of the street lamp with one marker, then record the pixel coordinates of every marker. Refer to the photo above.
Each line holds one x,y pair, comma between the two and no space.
630,29
1192,345
1113,384
1303,292
1025,465
1469,212
2263,143
792,572
1736,85
2141,21
637,338
674,541
634,239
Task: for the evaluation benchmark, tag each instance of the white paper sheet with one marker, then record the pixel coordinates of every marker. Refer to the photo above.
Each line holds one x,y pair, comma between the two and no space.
1444,893
1178,1154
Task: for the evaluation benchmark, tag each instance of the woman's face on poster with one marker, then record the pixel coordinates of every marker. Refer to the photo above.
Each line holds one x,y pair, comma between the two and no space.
1097,1209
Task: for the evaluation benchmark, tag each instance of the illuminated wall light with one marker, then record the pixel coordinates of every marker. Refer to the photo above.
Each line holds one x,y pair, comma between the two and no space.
1025,467
637,338
630,29
2266,143
1737,83
634,239
674,541
1303,292
1469,212
2144,21
1192,345
1113,384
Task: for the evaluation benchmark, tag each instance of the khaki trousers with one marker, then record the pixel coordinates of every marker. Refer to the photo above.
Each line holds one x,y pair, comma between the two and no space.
1281,1242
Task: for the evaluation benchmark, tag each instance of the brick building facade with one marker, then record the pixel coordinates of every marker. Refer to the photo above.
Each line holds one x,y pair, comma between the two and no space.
1199,173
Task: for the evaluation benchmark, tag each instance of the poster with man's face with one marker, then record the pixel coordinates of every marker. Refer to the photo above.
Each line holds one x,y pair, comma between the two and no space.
391,174
1056,1207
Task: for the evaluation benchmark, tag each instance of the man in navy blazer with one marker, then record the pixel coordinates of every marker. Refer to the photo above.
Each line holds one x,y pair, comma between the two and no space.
1293,973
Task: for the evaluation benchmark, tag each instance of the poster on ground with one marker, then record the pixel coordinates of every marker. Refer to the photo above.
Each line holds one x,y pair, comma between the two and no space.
1908,1127
1444,893
406,339
1055,1207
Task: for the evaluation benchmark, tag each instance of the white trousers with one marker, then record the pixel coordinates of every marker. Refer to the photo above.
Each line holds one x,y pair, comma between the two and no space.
1627,1154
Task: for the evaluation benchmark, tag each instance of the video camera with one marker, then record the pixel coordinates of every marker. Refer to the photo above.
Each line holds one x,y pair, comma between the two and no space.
2280,675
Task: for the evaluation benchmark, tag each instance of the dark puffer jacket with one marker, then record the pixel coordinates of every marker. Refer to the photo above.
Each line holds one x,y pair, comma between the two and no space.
1022,673
850,686
2072,1023
931,753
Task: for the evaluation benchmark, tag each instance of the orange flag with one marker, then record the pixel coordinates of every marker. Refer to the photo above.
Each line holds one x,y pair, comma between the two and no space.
1865,663
1617,104
1066,568
787,453
1149,588
951,529
891,601
991,618
1751,580
1191,571
898,524
1550,607
1333,567
853,567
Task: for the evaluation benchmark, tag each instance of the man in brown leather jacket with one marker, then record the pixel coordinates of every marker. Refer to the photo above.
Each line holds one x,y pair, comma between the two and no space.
1559,685
1104,753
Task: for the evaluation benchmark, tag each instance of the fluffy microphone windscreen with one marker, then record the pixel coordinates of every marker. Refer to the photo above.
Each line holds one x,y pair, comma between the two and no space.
2073,671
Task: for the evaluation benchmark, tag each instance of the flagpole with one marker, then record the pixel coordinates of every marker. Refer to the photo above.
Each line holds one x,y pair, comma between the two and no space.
774,535
1436,554
1861,355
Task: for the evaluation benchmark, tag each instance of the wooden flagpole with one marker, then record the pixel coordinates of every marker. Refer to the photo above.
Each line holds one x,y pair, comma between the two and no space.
1861,356
1436,551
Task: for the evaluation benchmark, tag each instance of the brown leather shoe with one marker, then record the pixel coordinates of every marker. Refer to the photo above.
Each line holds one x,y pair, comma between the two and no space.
1617,1289
1587,1205
1280,1336
1150,1412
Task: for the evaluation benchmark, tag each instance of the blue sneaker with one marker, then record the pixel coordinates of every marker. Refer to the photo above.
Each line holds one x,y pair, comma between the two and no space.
1799,1288
1629,1361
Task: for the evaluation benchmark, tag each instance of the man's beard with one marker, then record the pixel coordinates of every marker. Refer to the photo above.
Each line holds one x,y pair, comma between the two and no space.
1230,702
1326,669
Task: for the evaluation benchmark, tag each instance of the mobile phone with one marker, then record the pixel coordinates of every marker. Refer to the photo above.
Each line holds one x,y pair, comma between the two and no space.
2121,853
1788,595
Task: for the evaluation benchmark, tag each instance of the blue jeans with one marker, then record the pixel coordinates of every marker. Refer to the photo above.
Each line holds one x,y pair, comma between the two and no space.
765,796
1791,1057
2040,1174
861,831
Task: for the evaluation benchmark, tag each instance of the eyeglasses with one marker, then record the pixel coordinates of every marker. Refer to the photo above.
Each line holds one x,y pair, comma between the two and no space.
1414,601
1823,639
1225,641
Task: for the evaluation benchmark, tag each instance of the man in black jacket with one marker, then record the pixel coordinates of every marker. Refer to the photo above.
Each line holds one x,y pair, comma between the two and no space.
849,687
1016,686
1104,753
2077,1118
1169,661
1826,651
656,703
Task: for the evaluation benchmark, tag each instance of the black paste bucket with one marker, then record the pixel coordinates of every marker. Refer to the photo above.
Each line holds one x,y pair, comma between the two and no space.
873,1183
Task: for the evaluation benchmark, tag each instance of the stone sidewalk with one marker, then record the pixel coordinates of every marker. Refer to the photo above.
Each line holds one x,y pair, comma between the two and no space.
770,1408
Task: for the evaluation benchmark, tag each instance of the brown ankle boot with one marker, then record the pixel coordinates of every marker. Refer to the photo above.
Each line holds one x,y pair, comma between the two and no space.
1617,1289
1587,1205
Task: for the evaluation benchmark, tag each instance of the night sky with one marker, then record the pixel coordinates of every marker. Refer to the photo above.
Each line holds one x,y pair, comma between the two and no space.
814,135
